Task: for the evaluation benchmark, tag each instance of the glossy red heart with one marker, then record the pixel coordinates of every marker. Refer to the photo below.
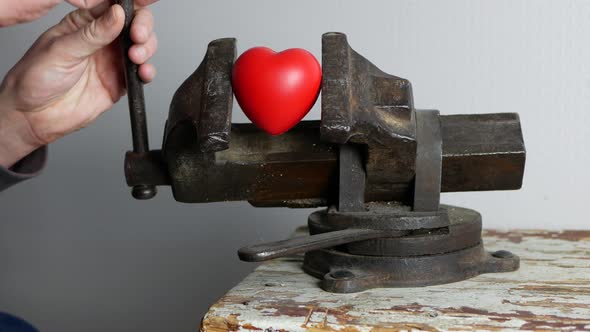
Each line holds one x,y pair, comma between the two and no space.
276,90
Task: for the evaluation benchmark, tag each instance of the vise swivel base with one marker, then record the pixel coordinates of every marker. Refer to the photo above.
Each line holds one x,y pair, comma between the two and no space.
374,162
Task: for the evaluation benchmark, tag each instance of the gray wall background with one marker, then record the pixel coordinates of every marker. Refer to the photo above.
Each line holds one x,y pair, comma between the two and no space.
78,254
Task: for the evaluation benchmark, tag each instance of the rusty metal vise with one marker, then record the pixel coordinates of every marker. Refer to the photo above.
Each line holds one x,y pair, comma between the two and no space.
376,163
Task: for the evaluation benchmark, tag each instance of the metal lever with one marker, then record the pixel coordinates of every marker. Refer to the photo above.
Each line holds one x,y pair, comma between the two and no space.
298,245
136,99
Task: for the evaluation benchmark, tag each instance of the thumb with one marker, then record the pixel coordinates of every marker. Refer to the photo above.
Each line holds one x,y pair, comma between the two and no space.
95,35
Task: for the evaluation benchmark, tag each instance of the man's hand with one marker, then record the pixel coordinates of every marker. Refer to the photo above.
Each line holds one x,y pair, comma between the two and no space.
71,75
23,11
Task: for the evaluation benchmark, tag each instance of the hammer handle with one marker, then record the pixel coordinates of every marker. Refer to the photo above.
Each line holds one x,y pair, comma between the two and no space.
136,99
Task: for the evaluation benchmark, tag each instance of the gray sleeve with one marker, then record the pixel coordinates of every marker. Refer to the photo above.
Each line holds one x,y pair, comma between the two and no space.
30,166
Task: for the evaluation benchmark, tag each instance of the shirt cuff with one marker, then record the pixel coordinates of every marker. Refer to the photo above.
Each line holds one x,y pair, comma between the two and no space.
29,167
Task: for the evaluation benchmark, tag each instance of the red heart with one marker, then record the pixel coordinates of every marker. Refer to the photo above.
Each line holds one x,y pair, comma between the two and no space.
276,90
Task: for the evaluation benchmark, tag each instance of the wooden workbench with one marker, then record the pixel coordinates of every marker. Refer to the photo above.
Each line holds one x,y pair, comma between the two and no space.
551,291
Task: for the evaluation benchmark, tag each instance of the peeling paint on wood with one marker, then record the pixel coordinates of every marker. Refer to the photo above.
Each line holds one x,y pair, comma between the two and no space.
551,291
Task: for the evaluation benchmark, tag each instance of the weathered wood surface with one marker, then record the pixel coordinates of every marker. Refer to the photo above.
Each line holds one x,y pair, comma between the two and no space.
551,291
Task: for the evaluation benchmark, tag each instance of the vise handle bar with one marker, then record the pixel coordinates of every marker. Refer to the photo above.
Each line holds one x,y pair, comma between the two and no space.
136,99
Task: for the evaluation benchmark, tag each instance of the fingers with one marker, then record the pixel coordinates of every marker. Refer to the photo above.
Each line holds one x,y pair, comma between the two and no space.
147,72
74,21
141,53
143,26
79,18
83,32
93,36
146,43
145,2
87,4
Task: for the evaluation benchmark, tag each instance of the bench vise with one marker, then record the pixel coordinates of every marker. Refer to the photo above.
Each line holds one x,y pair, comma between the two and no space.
373,161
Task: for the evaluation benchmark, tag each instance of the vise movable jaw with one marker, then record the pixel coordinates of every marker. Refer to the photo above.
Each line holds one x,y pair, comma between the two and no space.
375,162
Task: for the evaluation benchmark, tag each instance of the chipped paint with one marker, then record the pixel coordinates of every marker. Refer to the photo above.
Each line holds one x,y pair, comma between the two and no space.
551,291
517,236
